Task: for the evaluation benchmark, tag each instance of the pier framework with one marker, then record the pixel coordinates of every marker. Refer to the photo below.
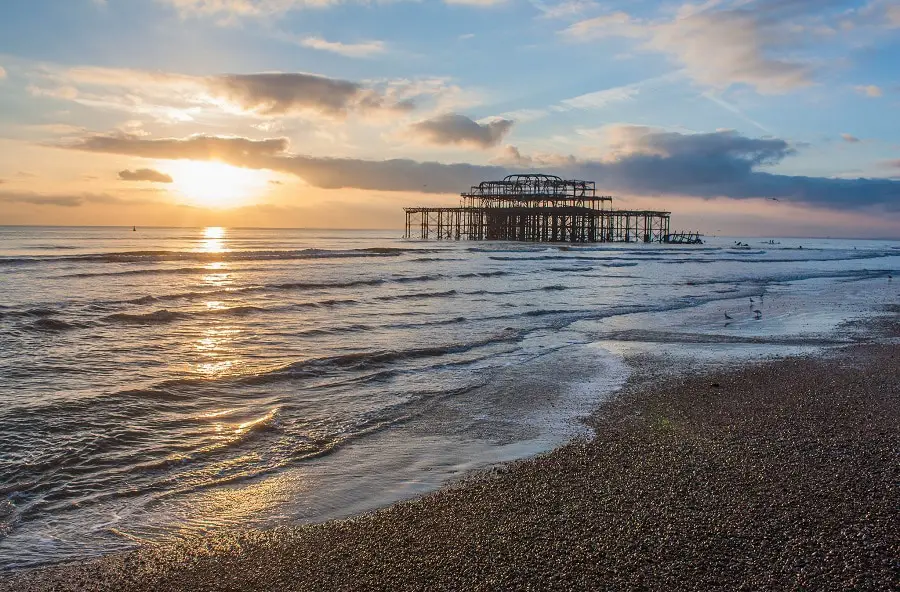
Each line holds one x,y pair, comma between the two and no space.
539,208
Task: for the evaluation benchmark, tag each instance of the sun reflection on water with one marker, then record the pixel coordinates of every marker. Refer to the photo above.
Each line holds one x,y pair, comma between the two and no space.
213,240
217,357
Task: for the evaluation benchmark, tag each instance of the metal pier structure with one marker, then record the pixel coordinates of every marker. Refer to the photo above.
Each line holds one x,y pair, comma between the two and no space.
537,208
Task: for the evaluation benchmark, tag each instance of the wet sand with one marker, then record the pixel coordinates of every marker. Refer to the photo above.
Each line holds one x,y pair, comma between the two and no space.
777,476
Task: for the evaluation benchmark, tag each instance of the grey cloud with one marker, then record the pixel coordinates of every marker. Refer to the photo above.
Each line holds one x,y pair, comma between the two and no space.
200,147
453,128
385,175
59,199
648,162
719,147
850,138
149,175
284,93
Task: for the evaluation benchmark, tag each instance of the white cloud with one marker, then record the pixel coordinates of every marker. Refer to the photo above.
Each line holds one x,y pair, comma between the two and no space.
616,23
563,9
228,12
600,98
2,73
745,44
351,50
481,3
243,8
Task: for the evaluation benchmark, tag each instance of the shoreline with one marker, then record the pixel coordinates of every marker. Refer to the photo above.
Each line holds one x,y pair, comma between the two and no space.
775,475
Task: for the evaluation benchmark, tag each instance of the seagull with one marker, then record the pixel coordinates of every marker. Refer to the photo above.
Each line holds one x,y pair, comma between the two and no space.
727,316
758,314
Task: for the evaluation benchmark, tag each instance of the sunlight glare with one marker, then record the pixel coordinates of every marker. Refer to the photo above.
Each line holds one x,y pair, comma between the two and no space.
216,184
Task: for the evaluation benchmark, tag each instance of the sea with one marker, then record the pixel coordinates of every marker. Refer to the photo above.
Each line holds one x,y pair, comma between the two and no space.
161,383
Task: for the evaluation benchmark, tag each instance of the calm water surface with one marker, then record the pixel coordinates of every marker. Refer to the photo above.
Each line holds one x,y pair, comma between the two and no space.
168,382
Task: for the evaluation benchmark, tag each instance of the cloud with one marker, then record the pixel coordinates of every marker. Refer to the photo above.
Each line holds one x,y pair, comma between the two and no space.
593,100
640,161
565,8
199,147
2,73
229,12
476,3
226,11
150,175
615,23
351,50
453,128
511,156
748,43
602,98
869,90
850,138
282,94
68,200
179,97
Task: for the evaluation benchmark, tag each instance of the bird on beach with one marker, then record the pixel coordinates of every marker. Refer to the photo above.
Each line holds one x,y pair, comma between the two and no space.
758,314
727,316
752,300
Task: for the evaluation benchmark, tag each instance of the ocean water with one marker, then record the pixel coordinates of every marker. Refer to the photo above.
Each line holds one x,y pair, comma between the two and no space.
170,382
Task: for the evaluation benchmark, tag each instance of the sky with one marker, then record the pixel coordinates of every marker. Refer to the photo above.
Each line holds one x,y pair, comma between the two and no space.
742,117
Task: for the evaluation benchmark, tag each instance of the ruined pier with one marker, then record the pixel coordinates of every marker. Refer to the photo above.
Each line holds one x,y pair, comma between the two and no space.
537,208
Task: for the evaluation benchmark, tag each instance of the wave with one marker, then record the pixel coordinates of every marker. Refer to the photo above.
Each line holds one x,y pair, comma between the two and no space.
167,316
152,271
31,312
622,264
372,359
207,257
485,274
418,295
55,325
430,259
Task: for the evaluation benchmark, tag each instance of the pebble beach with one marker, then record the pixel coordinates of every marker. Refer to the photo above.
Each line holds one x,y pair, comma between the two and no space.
780,475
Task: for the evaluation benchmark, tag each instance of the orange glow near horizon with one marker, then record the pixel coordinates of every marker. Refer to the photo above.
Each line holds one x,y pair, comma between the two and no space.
216,184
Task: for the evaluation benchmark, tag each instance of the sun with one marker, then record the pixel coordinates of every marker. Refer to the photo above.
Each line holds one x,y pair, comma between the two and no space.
216,184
